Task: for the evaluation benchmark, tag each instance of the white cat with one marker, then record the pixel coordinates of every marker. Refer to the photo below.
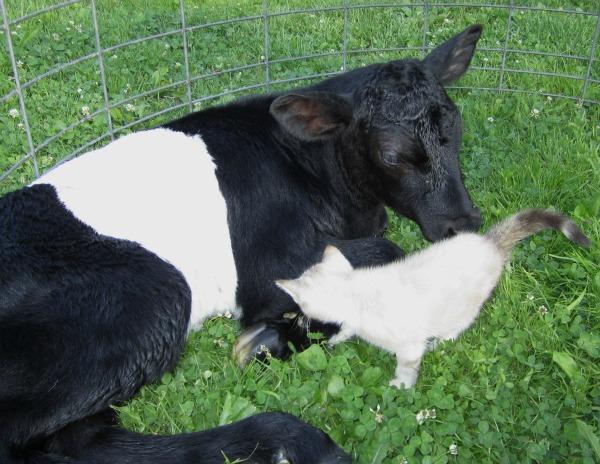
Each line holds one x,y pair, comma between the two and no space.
433,294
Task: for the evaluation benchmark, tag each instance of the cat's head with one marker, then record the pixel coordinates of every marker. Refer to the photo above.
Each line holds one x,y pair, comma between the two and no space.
320,291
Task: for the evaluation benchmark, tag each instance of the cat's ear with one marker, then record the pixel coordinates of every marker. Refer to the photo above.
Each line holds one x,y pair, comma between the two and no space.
291,287
333,260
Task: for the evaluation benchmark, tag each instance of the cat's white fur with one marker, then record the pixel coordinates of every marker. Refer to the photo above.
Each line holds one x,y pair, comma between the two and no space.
433,294
158,188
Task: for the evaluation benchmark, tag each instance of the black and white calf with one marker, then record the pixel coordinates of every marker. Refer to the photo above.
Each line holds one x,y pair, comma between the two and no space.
108,261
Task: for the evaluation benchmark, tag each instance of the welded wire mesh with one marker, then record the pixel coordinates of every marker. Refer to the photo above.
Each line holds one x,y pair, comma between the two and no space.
497,67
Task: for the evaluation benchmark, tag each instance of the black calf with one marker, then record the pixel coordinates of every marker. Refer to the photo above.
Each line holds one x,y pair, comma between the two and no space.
316,166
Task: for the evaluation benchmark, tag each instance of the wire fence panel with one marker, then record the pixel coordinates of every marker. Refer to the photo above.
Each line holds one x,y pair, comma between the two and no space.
288,46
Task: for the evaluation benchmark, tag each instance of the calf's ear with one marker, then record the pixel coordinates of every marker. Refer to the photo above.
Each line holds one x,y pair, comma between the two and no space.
312,116
450,60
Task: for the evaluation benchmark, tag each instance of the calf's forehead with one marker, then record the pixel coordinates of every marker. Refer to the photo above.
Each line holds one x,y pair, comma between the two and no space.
404,102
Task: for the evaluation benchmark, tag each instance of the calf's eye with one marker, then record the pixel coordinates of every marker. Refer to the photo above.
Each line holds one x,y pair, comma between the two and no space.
391,158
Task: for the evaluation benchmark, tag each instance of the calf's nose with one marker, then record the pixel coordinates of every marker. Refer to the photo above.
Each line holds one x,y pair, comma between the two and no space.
467,223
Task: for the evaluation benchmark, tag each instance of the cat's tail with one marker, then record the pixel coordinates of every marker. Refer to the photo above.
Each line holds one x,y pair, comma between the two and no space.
507,233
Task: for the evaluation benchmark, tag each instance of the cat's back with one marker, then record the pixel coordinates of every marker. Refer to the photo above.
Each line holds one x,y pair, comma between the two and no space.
463,272
430,291
451,275
463,256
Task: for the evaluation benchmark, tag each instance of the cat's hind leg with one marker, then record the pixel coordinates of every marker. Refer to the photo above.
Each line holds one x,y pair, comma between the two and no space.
408,358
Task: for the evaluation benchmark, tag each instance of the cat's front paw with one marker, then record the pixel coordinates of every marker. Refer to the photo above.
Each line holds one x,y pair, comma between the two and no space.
337,339
341,336
402,383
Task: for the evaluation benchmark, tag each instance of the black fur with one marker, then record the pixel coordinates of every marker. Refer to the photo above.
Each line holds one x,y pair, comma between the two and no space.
86,320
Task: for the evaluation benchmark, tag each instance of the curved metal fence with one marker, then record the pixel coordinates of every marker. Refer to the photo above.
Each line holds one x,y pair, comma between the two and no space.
41,143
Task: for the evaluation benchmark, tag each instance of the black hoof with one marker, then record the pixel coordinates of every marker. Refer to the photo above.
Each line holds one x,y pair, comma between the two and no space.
260,341
272,338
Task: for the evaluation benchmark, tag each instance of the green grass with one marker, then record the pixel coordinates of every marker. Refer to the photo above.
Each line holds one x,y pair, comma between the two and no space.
523,384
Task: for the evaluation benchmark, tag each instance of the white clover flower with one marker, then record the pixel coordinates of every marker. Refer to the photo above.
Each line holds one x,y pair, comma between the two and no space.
490,119
549,98
543,310
498,43
262,57
129,107
71,22
19,26
520,42
13,113
85,110
453,448
446,20
55,36
79,28
207,374
167,46
535,113
378,415
20,125
530,296
79,90
20,64
228,314
403,460
425,414
177,64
